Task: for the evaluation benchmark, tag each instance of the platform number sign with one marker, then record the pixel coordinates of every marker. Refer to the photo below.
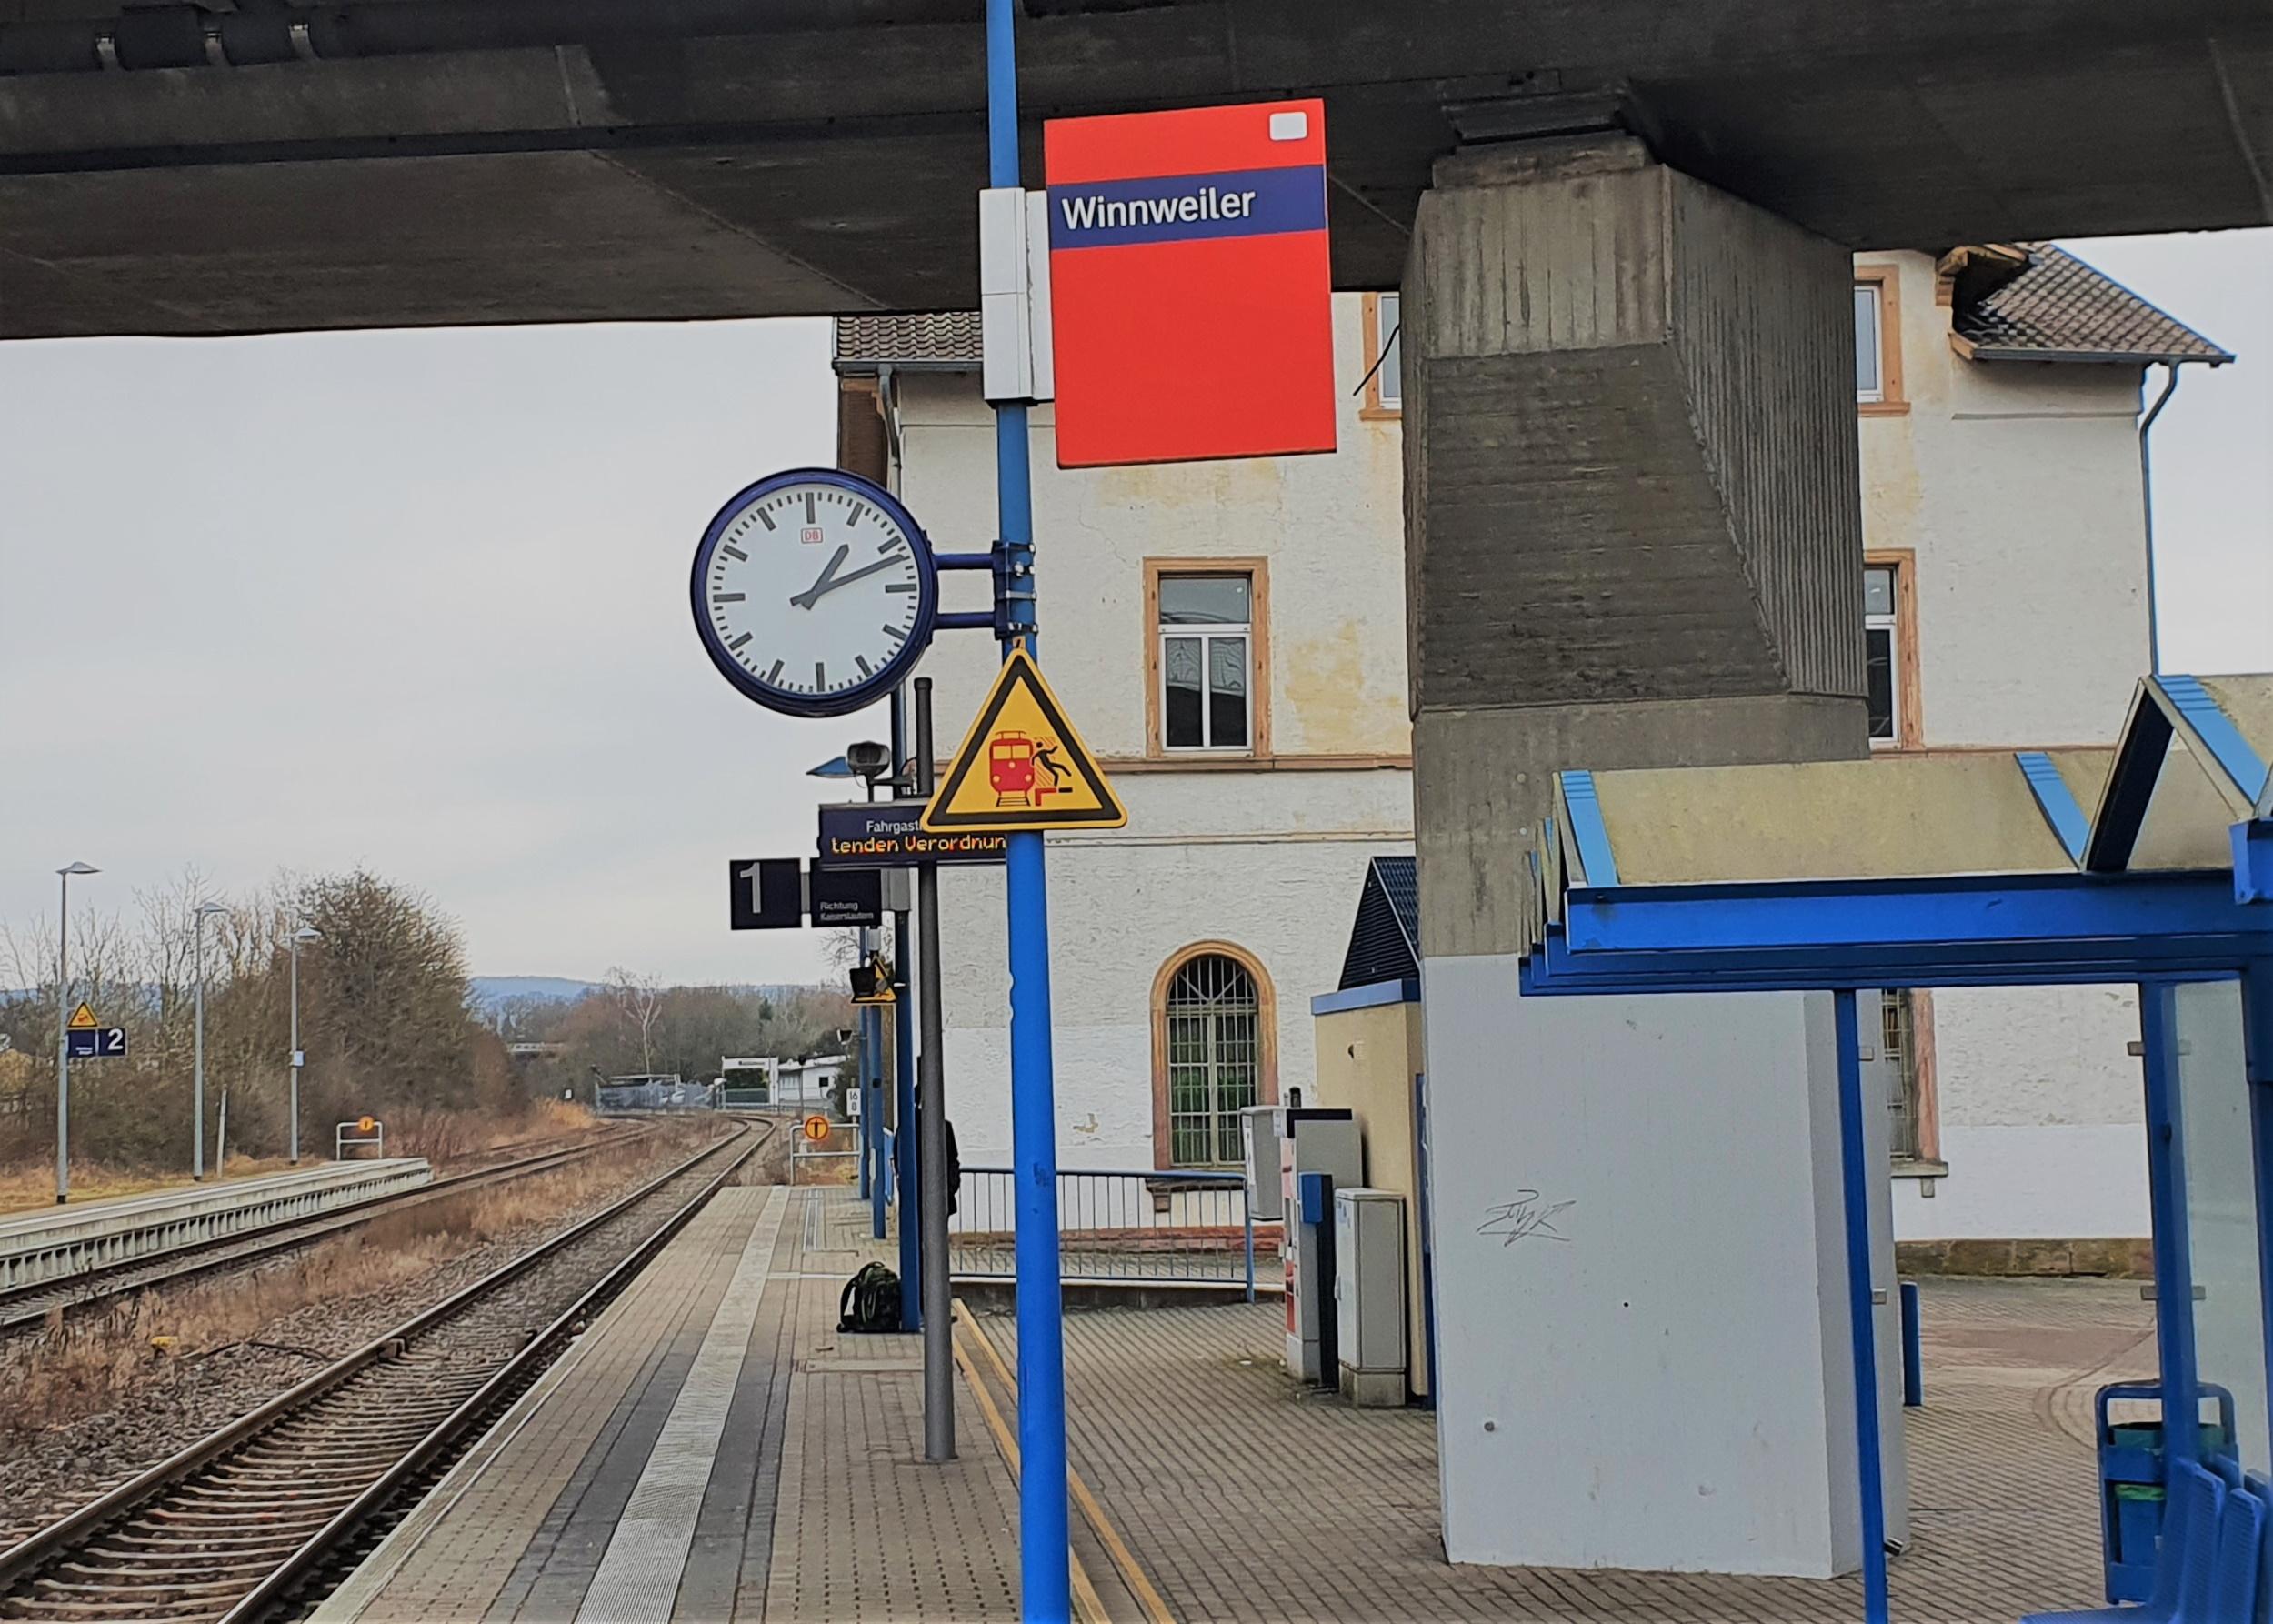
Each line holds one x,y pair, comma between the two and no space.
87,1038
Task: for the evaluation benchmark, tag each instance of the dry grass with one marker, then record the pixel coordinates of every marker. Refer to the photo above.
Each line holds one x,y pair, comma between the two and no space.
441,1137
90,1363
33,1188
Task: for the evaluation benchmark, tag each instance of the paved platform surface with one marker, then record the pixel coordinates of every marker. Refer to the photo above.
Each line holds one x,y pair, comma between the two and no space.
1193,1439
710,1450
713,1450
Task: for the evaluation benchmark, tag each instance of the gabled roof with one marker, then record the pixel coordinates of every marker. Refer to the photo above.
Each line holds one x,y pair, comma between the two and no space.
1385,939
2038,302
940,341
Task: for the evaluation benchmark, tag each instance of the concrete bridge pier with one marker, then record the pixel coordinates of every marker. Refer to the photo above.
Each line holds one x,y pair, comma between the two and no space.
1634,538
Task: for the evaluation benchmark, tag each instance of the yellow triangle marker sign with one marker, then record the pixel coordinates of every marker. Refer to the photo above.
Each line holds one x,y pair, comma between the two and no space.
83,1018
1022,766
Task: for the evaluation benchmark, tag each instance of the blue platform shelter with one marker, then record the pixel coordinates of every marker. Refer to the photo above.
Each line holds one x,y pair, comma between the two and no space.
2150,863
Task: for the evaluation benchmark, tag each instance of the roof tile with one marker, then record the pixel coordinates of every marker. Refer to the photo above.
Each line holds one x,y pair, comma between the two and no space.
946,340
2059,305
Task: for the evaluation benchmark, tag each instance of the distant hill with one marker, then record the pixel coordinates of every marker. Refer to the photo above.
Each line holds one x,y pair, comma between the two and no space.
488,992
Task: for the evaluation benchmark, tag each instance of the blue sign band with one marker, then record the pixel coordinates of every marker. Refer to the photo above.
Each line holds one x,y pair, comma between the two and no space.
1178,208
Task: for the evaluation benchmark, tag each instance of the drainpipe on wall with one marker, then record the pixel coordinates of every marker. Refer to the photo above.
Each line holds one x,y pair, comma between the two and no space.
2147,497
888,405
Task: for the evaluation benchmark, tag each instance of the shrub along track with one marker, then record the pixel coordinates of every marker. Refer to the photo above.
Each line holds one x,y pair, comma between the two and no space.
32,1306
252,1520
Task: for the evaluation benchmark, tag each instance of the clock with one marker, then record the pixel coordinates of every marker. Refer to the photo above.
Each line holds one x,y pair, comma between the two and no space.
815,592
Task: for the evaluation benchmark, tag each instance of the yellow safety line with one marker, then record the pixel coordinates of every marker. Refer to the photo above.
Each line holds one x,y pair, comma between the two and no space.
1087,1602
1139,1583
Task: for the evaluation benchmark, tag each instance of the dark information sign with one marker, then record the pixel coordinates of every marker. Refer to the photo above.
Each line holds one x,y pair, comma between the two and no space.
887,835
768,894
845,896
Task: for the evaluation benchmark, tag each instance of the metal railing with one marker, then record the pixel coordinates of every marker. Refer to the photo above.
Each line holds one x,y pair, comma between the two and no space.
1157,1226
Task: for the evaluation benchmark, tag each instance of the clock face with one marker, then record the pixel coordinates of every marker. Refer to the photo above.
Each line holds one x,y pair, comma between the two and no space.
815,591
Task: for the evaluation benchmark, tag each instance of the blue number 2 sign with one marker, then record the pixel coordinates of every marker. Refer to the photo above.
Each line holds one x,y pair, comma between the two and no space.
98,1043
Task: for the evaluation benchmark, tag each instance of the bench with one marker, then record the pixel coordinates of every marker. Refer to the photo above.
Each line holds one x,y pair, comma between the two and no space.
2206,1562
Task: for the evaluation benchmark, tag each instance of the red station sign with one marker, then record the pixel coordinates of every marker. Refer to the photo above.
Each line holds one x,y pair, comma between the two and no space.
1190,294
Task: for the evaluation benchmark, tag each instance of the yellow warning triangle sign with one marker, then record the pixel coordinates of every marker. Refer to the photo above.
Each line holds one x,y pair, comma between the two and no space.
83,1018
1022,766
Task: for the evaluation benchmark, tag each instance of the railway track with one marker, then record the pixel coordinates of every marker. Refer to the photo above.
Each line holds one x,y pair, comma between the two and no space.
246,1523
31,1306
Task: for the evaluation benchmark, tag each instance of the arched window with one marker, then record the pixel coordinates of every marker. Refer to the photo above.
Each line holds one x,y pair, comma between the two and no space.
1213,1041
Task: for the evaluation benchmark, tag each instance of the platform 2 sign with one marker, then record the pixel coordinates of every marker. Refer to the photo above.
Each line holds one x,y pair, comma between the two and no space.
890,834
86,1037
1022,765
1191,302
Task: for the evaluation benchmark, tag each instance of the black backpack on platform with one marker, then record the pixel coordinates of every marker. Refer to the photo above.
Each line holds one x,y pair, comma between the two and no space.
871,1301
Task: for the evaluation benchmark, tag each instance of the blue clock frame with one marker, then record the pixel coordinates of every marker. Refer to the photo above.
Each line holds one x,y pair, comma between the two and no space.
886,676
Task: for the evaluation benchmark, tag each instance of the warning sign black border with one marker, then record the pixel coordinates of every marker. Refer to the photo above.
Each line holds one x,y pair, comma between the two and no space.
1017,669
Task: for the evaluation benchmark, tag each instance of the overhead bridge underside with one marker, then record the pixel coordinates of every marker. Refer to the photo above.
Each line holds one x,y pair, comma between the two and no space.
245,165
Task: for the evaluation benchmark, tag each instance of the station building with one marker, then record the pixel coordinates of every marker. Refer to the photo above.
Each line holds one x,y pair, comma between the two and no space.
1231,639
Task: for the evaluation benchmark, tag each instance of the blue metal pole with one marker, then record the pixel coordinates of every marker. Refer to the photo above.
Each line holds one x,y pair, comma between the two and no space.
2166,1207
1913,1351
1856,1176
904,1138
2257,1049
1045,1587
871,1074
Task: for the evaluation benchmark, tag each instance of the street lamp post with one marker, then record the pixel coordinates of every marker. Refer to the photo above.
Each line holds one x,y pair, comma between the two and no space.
306,933
206,911
63,1033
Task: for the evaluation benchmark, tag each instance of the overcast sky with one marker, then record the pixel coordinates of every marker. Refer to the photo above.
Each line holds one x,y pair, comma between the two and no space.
417,601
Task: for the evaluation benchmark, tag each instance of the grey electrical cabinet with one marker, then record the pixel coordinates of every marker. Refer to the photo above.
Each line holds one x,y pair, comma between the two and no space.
1369,1295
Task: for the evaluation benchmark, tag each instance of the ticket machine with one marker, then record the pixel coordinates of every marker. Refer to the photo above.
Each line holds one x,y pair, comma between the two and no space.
1318,1150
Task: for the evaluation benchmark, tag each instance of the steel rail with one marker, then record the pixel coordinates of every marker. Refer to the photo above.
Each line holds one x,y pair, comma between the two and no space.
57,1538
30,1305
499,1391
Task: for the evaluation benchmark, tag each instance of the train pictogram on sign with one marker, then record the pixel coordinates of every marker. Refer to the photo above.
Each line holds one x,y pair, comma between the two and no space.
1022,765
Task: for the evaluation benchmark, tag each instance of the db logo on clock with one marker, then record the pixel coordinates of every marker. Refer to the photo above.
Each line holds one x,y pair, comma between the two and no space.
810,536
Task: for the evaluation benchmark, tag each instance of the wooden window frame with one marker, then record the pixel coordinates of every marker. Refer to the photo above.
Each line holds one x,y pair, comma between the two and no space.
1257,571
1891,402
1908,706
1369,349
1266,1032
1928,1163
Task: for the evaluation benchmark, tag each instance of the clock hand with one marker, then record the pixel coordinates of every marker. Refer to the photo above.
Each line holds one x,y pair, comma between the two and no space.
821,589
806,599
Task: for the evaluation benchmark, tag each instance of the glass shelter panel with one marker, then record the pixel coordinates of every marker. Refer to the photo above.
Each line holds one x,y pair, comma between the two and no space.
2221,1209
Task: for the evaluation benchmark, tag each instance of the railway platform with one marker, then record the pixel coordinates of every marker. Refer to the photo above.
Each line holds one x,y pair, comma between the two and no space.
712,1449
54,1243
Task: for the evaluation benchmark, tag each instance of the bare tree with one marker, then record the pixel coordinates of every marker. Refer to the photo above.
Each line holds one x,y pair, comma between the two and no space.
640,998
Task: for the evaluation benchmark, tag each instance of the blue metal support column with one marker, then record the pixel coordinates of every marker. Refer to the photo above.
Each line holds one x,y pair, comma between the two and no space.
2256,1039
1045,1580
1855,1182
872,1110
905,1177
2166,1208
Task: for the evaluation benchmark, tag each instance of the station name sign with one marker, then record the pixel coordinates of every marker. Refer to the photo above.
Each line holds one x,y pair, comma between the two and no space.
1191,303
887,835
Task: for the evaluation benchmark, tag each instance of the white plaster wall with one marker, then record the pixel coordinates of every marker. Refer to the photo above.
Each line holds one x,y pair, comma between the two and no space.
2042,1117
1676,1352
1332,528
2017,486
1118,911
1268,856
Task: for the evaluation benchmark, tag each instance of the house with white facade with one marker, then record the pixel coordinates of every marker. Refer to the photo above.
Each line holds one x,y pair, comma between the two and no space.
1230,638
